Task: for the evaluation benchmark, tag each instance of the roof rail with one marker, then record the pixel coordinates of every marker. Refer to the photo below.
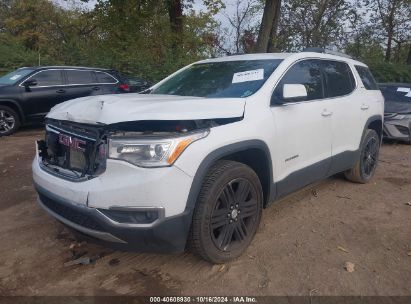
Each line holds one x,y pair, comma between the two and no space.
325,51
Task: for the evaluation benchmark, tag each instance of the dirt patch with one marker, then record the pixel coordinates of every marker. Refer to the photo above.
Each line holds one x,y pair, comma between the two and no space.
16,184
303,244
398,181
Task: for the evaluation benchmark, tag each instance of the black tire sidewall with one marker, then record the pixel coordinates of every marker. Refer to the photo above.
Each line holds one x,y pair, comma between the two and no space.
16,119
370,134
207,200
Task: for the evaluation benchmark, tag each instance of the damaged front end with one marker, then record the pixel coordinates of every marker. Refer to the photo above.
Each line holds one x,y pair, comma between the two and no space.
73,151
77,151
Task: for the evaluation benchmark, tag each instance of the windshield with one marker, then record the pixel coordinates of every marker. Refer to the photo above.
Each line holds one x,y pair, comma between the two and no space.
220,79
13,77
396,93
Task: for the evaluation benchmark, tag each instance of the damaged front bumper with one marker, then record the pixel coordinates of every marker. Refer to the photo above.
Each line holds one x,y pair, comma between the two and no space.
97,207
167,235
398,129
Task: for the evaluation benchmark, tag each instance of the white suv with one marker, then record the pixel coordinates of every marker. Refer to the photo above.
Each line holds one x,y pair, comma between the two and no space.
197,158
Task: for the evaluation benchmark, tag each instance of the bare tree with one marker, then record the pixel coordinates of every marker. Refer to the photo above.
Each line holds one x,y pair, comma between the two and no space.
241,23
394,20
269,25
175,14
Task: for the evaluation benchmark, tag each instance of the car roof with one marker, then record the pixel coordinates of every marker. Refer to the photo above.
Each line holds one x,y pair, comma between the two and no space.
259,56
65,67
296,56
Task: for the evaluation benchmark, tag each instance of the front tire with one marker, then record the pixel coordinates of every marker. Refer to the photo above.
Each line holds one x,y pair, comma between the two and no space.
9,121
227,213
364,169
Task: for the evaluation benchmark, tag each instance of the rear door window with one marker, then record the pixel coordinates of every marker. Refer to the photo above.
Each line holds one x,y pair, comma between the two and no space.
307,73
338,78
80,77
103,77
367,78
48,78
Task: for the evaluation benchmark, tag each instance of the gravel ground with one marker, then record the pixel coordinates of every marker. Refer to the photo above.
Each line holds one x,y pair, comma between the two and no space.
301,248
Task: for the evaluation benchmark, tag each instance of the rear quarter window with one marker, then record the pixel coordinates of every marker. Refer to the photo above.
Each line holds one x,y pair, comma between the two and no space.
367,78
103,77
338,78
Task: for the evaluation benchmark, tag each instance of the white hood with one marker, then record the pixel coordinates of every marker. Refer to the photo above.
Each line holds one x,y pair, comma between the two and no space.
109,109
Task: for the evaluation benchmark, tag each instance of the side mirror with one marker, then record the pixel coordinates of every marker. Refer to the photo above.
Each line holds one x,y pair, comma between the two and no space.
293,92
30,83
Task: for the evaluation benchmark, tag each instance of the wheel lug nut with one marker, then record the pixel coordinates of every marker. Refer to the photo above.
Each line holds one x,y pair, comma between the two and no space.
236,219
236,205
231,221
231,207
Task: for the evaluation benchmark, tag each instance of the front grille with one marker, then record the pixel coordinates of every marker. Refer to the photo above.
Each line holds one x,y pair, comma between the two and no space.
71,214
77,149
63,154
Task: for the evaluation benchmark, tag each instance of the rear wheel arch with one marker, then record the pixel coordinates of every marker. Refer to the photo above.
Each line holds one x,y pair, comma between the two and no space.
373,123
364,168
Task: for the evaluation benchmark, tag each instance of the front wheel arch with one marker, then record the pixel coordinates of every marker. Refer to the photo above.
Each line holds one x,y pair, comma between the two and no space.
233,152
228,212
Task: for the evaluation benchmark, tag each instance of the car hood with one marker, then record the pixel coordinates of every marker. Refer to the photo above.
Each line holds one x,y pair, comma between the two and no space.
397,107
109,109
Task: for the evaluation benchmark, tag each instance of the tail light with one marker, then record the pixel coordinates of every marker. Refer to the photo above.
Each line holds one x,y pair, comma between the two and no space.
124,87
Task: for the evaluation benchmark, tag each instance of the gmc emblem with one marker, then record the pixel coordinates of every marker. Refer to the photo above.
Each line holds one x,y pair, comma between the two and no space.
72,142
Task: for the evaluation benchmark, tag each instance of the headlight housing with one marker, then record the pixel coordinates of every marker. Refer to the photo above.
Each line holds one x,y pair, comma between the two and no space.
151,151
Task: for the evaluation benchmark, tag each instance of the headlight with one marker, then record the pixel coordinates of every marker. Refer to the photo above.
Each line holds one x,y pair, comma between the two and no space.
153,151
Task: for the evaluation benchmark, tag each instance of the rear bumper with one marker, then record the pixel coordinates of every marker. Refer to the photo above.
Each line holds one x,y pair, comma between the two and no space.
168,235
398,130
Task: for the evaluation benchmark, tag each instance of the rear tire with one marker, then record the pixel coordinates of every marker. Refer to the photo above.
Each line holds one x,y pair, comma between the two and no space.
9,121
364,169
227,213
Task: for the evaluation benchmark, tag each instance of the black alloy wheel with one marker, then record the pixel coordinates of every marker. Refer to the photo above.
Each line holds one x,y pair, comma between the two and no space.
366,164
234,218
227,212
9,121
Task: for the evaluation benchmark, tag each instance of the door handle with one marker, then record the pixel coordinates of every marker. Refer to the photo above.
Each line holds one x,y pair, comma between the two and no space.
61,91
96,88
326,113
365,107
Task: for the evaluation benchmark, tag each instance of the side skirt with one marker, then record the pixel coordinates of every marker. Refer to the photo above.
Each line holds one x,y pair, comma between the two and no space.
313,173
